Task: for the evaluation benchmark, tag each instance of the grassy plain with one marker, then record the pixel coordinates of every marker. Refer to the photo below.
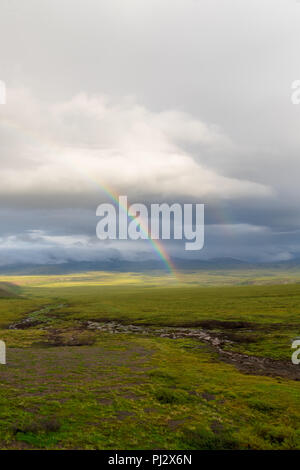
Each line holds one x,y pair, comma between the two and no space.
67,387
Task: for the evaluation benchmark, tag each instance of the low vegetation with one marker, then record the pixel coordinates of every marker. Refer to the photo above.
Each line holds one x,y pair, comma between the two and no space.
70,387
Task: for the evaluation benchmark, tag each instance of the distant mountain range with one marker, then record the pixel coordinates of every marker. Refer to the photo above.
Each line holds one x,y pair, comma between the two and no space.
115,265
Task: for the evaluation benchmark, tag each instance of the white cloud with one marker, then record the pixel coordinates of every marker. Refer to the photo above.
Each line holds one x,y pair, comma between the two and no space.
40,247
68,147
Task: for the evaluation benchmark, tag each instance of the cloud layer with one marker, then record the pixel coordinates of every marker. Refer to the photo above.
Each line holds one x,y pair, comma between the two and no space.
186,101
65,149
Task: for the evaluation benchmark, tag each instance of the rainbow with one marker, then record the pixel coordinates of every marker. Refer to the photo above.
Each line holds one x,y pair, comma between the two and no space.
158,246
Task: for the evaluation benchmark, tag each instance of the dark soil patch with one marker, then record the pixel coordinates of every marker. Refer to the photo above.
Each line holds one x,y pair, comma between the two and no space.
225,325
208,396
24,324
38,425
261,365
175,423
217,427
241,338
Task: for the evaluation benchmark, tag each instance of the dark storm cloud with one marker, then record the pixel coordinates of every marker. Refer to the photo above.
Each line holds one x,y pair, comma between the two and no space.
164,101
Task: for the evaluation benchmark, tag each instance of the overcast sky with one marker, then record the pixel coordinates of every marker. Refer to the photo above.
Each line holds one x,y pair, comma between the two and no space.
161,100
